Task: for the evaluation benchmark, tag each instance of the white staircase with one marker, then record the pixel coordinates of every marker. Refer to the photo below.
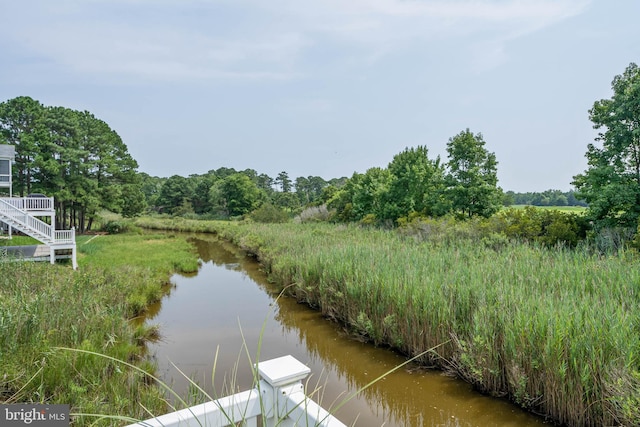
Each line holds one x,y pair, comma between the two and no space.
21,214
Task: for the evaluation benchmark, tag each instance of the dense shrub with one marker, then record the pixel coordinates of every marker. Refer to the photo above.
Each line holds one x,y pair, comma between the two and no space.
549,227
314,214
116,227
445,230
121,226
609,240
268,213
533,225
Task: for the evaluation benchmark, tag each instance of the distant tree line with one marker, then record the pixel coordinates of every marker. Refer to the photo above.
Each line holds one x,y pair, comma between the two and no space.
545,198
83,163
78,159
465,186
226,192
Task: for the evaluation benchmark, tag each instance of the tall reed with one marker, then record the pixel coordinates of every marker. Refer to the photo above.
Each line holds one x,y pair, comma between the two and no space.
45,306
556,331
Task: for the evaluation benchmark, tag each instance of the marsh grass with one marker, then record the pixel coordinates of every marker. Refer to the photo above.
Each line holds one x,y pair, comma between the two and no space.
19,241
160,253
44,307
197,394
554,330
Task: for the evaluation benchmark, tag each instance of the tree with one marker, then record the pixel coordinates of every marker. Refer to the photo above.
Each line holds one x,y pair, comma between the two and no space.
201,203
265,183
285,200
309,189
340,200
416,185
175,191
370,191
134,202
20,122
472,181
72,156
611,183
151,187
283,181
237,194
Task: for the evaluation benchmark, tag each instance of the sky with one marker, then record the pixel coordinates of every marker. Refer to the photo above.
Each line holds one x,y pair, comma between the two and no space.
327,87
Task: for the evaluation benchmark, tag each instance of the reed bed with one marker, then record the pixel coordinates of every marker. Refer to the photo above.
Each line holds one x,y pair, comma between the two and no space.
556,331
44,308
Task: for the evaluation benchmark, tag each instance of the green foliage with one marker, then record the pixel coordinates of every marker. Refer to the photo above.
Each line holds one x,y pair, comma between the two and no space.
201,202
611,183
309,190
370,191
72,156
114,227
545,198
546,226
284,182
133,200
21,124
117,227
472,181
417,185
268,213
236,195
286,200
413,183
151,187
175,191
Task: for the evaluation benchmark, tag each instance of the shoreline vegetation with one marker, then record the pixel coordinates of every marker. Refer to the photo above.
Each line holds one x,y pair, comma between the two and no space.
553,330
44,308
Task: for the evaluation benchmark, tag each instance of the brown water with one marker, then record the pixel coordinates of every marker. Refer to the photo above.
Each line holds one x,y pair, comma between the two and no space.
229,303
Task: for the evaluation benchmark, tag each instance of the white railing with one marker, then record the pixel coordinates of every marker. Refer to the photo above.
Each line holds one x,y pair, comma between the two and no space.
27,223
65,236
279,399
31,203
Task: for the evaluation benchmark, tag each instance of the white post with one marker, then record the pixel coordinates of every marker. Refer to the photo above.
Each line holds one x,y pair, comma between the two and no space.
279,399
284,398
74,260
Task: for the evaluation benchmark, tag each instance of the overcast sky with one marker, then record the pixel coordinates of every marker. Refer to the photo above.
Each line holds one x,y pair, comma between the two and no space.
326,87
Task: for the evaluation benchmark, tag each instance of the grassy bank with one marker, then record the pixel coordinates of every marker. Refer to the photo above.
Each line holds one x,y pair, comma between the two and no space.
45,307
556,331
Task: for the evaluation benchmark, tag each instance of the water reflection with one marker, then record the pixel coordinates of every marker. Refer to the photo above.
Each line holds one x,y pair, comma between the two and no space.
230,306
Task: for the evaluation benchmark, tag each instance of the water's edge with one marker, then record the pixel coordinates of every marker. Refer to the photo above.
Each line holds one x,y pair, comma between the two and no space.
230,307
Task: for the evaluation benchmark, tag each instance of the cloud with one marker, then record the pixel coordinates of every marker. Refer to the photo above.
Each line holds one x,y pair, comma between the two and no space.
156,40
379,27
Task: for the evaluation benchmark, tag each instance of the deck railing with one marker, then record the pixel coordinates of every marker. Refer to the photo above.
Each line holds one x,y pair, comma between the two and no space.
31,203
65,236
279,399
36,228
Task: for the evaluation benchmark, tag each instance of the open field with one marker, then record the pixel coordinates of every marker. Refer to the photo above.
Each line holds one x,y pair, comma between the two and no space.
18,241
556,331
569,209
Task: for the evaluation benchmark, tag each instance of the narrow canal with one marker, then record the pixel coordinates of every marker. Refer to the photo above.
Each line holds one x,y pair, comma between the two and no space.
230,307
